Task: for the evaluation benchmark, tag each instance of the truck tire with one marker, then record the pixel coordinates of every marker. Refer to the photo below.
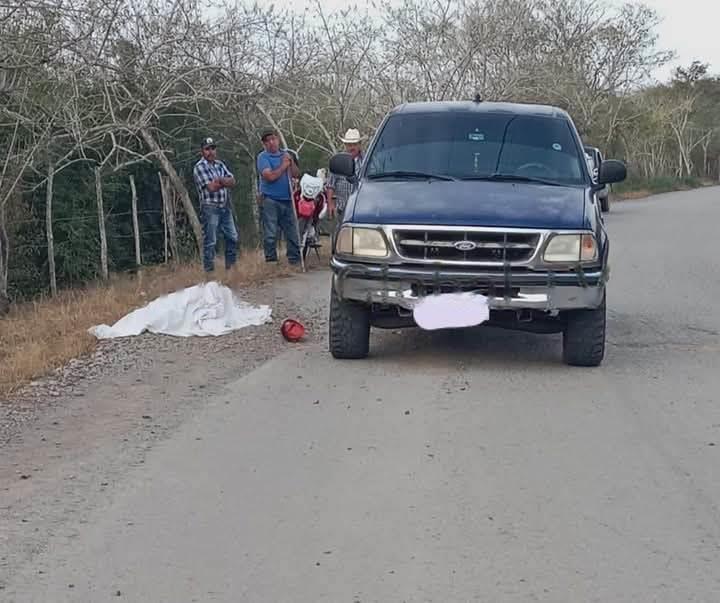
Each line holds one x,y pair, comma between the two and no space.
349,328
584,337
605,204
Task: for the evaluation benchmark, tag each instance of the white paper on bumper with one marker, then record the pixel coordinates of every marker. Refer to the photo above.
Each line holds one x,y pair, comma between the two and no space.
208,309
451,310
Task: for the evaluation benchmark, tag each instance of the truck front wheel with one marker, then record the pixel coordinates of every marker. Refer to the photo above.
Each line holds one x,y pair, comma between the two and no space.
349,328
584,337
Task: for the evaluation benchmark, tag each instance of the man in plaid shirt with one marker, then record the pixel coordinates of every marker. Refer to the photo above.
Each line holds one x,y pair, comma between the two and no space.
213,181
339,187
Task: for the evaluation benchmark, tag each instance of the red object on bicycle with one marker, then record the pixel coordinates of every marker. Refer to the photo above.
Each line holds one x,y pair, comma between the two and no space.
292,330
305,208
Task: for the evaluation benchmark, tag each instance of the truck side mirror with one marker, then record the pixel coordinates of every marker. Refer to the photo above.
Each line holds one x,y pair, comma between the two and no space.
343,164
612,170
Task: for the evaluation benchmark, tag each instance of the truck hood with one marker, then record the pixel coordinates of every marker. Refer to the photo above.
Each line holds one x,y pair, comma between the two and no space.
470,203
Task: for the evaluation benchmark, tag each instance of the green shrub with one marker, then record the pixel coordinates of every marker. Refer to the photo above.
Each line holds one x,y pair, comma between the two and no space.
660,184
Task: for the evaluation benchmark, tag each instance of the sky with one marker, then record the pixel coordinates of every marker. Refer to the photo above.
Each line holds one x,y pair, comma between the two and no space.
689,27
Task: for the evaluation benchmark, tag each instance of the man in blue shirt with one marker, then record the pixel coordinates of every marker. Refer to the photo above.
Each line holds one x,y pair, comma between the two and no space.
213,181
275,168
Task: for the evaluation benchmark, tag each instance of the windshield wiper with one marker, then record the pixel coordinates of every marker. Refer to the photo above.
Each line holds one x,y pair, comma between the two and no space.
513,178
409,174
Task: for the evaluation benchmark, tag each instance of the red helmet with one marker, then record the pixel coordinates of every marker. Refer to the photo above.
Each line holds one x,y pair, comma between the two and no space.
292,330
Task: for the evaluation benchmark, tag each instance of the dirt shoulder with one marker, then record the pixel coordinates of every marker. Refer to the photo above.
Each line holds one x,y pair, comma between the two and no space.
45,334
80,430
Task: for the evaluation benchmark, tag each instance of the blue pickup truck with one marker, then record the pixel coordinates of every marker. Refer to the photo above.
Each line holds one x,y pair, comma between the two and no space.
494,200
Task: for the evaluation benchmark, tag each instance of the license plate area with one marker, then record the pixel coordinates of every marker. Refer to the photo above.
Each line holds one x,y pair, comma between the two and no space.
419,290
451,310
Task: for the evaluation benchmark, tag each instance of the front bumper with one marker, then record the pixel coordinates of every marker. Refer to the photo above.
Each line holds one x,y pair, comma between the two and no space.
403,286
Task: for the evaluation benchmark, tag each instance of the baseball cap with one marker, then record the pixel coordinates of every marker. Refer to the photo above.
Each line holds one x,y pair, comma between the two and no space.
267,132
207,143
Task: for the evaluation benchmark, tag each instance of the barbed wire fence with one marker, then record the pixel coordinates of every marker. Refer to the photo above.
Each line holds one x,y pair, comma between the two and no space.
133,239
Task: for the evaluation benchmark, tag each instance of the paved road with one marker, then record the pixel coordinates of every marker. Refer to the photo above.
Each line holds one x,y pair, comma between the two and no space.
444,468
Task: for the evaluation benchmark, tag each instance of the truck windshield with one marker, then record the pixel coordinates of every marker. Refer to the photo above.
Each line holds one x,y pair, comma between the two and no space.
478,146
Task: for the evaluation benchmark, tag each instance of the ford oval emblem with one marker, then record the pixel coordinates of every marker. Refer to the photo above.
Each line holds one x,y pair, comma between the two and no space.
465,245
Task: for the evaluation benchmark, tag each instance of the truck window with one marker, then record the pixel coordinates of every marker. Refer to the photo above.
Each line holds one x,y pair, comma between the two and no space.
471,145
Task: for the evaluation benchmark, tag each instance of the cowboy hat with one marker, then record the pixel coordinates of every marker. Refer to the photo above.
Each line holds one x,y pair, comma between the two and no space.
352,136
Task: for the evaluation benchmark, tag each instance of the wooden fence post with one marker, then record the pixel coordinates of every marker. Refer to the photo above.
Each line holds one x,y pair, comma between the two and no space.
49,228
101,224
136,228
169,213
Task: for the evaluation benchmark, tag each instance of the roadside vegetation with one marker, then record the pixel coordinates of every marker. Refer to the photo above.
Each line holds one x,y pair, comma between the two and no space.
103,105
635,188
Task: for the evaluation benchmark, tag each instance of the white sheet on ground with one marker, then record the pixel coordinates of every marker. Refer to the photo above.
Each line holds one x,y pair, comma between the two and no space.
451,310
203,310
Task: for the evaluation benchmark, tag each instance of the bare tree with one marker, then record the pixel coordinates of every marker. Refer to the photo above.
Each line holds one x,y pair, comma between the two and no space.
684,94
23,141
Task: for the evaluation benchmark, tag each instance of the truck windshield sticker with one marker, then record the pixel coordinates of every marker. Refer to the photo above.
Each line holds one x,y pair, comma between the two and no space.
557,146
476,136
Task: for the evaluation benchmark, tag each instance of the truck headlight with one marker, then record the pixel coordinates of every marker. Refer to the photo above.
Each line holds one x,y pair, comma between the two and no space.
571,248
367,242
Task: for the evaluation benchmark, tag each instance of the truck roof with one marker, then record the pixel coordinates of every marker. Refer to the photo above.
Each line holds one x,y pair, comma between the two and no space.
481,107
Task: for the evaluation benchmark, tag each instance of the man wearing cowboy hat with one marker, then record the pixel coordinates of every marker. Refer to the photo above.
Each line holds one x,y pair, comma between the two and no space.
339,187
213,181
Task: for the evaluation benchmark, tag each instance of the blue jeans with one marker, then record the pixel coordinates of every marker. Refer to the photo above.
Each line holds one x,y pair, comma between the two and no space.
279,214
214,219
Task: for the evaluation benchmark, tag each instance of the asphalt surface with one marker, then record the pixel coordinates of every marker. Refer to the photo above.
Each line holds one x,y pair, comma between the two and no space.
446,467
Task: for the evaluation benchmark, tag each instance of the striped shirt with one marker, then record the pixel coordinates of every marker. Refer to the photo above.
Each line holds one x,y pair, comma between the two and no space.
204,173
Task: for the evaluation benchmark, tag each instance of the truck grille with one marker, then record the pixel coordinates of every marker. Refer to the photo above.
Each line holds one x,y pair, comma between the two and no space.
466,246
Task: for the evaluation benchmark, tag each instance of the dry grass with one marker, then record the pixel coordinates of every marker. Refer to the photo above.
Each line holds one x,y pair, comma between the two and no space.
630,195
38,337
